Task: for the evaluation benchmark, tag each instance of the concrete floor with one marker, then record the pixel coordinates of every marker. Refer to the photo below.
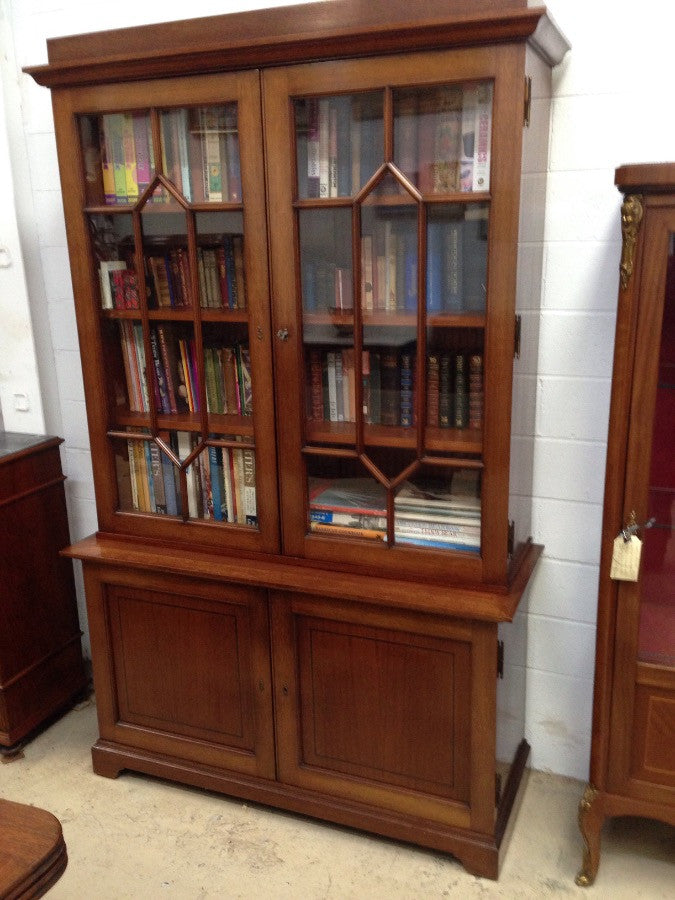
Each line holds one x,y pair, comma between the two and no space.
140,838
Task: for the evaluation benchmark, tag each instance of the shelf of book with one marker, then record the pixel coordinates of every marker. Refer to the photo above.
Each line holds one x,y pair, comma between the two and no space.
438,440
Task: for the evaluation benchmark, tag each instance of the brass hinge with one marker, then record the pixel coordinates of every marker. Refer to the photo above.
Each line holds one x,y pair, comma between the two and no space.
510,539
516,336
500,659
528,101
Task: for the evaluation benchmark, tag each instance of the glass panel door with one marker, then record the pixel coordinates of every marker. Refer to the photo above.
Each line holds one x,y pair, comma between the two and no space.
392,219
169,227
656,643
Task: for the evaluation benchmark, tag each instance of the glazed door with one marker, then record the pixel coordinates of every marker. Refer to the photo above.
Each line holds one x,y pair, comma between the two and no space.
164,191
392,207
643,712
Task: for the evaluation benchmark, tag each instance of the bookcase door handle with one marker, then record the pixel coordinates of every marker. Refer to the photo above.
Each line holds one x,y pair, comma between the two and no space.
282,334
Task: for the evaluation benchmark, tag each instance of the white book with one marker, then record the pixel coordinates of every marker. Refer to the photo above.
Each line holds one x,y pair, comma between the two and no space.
332,387
324,148
483,138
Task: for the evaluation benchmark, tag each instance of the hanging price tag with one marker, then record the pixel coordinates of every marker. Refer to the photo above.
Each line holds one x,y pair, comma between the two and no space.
626,558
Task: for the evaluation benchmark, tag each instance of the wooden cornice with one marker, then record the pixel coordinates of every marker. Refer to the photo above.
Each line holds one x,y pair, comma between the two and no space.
336,29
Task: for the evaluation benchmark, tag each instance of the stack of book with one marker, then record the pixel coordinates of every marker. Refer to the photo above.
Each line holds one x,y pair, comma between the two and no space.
348,507
439,513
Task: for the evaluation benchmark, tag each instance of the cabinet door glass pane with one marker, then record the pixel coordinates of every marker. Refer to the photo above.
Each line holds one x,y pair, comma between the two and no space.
392,413
200,153
117,151
442,137
657,581
339,143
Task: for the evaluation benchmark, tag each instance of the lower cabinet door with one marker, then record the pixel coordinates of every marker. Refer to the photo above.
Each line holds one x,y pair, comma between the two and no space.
374,706
182,669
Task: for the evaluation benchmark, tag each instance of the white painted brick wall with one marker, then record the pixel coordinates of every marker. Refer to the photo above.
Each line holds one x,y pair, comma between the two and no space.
611,106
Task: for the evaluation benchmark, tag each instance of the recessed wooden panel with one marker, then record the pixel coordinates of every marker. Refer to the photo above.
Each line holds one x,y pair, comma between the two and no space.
654,758
182,668
189,671
382,705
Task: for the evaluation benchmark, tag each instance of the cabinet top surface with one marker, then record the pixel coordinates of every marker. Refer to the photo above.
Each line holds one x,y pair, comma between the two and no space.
282,35
13,442
653,177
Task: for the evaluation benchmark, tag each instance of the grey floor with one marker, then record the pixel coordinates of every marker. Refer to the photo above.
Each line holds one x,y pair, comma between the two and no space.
137,837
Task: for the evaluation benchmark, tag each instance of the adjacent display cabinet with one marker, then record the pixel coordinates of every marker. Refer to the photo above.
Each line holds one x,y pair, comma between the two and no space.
308,330
41,665
633,748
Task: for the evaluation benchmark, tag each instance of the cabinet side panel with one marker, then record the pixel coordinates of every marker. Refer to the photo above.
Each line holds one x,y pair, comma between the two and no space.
528,297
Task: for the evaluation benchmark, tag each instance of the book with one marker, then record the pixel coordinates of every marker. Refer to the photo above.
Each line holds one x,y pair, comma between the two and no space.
483,137
405,134
390,388
475,390
114,124
435,246
435,544
313,149
453,261
351,495
348,531
350,519
129,148
107,166
249,496
144,161
468,127
460,494
461,397
105,268
445,398
433,386
447,140
407,377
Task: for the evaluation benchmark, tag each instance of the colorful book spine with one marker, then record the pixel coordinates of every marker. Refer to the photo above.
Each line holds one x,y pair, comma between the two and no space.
114,122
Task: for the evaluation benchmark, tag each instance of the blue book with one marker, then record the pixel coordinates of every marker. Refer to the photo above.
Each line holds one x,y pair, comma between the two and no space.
169,485
435,267
216,472
437,545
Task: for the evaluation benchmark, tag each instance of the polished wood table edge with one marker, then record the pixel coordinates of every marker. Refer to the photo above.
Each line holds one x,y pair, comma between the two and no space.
22,822
475,602
478,852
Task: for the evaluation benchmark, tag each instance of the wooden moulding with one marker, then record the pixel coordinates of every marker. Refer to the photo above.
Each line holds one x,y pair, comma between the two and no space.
483,604
285,35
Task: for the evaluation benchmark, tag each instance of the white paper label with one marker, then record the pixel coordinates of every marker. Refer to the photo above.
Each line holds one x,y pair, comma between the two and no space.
626,559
